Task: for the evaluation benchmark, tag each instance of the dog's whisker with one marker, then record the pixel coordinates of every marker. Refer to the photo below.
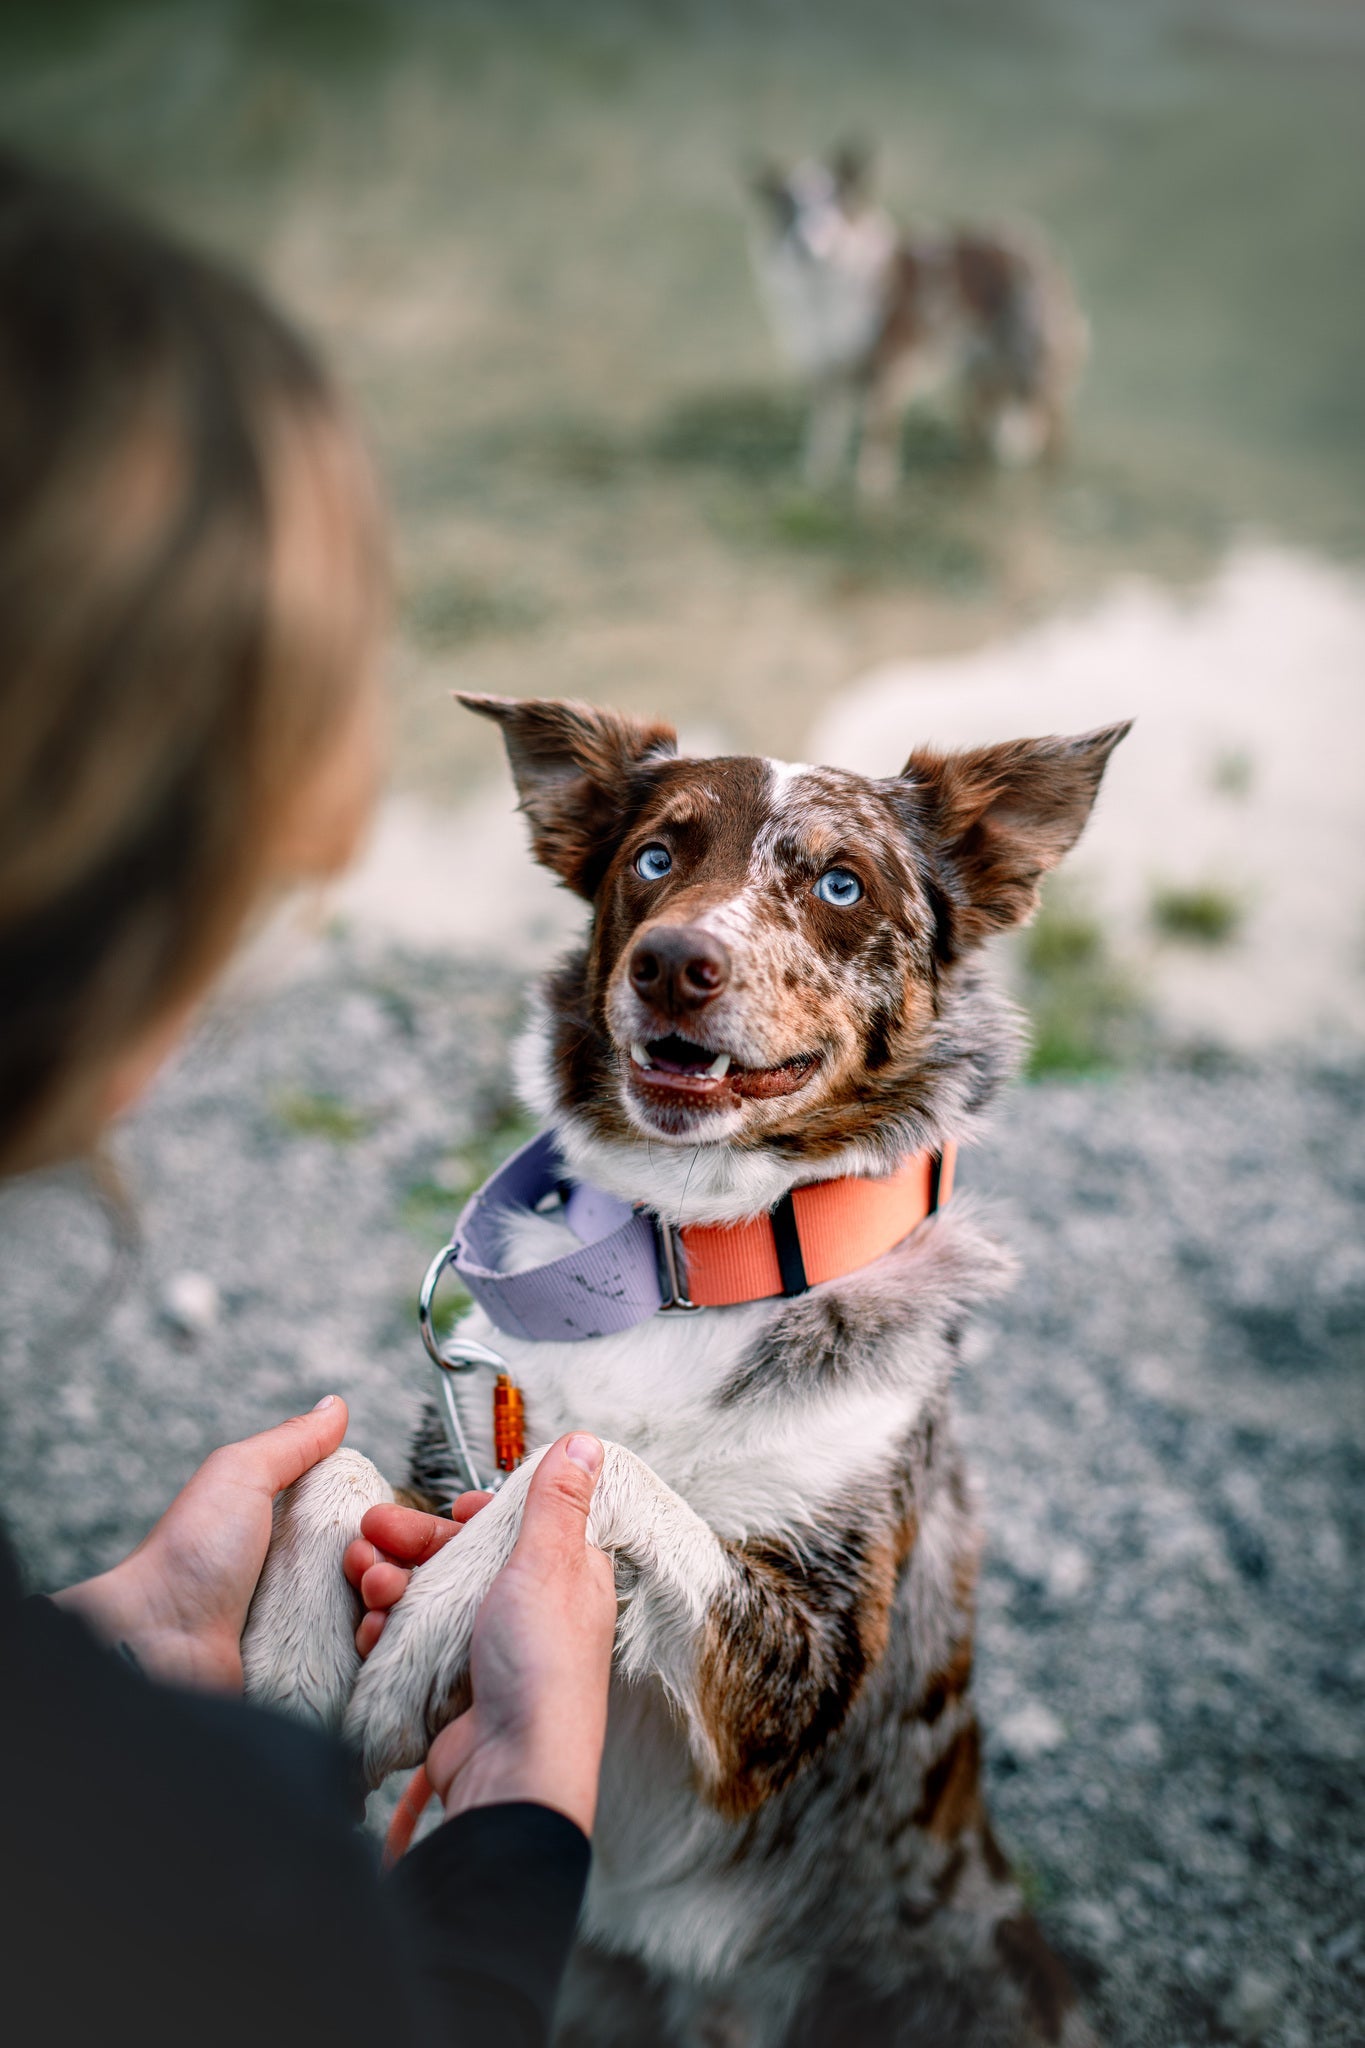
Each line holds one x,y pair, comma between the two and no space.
682,1199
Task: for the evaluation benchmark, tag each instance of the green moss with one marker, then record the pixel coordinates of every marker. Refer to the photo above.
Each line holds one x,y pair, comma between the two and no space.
1203,915
1085,1013
322,1116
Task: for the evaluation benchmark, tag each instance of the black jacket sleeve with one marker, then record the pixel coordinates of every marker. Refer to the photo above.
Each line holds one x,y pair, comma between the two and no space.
183,1867
493,1898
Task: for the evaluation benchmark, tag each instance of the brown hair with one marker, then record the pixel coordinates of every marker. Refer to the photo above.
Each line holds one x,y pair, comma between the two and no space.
192,578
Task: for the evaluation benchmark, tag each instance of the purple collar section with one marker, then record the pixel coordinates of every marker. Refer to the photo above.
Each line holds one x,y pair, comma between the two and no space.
612,1282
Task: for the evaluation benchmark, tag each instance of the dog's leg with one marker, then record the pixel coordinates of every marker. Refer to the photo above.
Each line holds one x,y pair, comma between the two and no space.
671,1570
879,456
298,1649
716,1623
829,432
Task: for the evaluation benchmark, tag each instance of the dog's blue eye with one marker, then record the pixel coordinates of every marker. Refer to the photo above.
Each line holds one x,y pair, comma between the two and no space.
838,886
653,862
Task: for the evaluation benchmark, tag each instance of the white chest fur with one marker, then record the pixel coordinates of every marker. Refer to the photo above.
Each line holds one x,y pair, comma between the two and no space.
759,1467
827,303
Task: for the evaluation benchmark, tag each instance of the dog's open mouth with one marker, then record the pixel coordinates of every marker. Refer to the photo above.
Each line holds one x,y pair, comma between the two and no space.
676,1068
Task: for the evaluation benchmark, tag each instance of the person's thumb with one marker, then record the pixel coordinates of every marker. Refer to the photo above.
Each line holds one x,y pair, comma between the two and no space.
279,1456
554,1521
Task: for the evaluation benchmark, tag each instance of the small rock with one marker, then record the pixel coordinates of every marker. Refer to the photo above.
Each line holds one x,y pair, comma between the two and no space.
1140,1743
1341,1946
1250,2007
1068,1572
1031,1730
191,1304
1096,1924
1154,1878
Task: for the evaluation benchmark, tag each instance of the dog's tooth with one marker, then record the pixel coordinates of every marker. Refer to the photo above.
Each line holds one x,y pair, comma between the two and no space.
719,1067
639,1055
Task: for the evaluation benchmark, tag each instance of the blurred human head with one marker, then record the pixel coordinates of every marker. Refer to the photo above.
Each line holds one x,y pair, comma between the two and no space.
192,590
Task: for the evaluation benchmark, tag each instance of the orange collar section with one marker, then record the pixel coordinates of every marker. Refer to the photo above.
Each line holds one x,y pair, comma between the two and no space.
818,1232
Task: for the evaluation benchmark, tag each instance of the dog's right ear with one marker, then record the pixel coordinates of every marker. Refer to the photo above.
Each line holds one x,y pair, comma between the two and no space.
767,181
578,770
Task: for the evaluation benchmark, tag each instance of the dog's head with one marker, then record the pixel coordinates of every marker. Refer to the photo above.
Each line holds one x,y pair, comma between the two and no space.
809,206
773,947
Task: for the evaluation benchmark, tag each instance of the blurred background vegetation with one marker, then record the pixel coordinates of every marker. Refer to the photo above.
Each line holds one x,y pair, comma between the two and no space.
520,228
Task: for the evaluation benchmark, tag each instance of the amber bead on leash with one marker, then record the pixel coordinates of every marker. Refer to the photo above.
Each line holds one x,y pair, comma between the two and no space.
509,1424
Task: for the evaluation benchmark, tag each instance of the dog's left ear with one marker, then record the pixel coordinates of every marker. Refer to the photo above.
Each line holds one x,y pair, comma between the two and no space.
850,166
579,770
995,819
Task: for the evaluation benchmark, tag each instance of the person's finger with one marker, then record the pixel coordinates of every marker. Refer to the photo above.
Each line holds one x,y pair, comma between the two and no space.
449,1752
383,1585
468,1505
370,1630
554,1521
279,1456
356,1561
406,1533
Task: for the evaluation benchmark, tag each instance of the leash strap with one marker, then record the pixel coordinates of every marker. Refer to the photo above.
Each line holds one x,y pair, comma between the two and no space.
627,1266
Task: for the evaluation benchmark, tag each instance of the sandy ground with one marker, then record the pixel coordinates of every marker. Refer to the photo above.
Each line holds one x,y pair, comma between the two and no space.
1245,773
1164,1420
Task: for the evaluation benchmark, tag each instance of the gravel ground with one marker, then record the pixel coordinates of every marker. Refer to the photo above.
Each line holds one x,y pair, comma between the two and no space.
1164,1419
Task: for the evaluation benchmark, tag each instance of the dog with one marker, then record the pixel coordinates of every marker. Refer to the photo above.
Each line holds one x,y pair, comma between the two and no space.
781,1000
874,319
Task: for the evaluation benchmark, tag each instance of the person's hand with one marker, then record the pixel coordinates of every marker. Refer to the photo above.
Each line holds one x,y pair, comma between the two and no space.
180,1600
392,1543
540,1663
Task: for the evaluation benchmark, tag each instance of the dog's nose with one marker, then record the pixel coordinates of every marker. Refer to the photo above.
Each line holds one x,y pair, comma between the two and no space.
679,967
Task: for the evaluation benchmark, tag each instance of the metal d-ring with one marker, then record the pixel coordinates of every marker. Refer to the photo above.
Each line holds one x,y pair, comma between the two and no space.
457,1355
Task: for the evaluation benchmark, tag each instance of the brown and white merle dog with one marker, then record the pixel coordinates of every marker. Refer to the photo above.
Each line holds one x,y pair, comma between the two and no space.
791,1843
874,318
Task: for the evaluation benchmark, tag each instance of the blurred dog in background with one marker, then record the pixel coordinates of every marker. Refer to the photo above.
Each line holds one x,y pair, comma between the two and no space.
876,318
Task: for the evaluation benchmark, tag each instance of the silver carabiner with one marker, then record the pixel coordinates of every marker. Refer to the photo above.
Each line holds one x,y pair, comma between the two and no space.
457,1355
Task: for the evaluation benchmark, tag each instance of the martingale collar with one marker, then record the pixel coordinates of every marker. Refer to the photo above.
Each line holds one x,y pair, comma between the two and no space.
630,1264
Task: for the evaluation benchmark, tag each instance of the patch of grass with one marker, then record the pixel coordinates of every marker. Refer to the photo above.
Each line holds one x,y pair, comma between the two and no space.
751,434
1037,1889
429,1208
1233,772
1085,1013
451,1305
431,1204
582,451
458,609
1063,940
322,1116
1201,915
911,540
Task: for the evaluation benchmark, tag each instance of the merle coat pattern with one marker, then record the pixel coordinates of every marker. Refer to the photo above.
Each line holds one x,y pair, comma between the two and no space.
791,1843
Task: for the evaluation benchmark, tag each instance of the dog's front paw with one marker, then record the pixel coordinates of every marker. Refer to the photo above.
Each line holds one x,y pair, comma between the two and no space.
298,1648
417,1678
